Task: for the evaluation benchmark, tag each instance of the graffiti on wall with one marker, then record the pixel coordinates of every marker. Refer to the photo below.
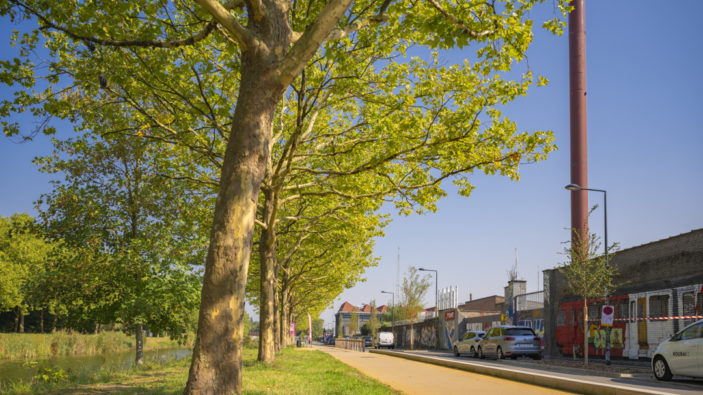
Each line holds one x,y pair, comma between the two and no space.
450,328
597,337
422,335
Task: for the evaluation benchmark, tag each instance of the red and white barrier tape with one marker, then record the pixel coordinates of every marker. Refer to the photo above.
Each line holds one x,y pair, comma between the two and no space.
680,317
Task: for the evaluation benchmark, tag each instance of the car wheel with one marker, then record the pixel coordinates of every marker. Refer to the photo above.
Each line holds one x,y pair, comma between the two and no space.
661,369
500,354
456,352
480,353
473,352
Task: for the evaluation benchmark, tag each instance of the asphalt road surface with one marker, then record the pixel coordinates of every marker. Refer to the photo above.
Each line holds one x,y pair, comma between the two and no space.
412,377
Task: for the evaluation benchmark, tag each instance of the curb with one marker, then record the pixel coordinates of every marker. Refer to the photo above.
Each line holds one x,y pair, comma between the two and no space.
562,383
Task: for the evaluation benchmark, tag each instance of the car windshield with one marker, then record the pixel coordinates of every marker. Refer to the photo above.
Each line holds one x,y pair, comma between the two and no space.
519,332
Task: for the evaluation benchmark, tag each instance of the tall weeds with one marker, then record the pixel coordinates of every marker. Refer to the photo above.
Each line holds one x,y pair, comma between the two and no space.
40,346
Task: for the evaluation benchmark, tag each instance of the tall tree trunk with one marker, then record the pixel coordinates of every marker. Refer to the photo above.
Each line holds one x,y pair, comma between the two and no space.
585,332
216,366
53,324
21,330
291,319
17,319
41,321
277,316
412,336
139,357
285,318
267,254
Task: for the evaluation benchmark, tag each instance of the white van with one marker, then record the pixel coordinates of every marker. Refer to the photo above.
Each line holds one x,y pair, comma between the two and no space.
385,339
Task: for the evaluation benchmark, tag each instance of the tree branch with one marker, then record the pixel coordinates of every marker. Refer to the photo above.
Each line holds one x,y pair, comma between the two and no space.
306,46
228,21
122,43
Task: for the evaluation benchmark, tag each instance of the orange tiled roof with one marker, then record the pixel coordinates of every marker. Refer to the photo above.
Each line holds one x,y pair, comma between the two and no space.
347,307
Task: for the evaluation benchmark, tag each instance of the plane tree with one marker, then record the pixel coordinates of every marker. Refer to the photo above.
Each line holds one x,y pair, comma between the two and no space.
264,46
346,131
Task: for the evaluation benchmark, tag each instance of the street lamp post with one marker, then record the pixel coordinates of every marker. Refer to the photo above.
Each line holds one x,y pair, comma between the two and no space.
436,301
392,310
575,188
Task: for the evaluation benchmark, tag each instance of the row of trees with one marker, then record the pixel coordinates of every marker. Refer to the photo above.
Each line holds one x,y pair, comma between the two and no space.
291,124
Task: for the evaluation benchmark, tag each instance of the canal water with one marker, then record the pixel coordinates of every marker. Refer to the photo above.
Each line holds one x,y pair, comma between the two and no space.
16,370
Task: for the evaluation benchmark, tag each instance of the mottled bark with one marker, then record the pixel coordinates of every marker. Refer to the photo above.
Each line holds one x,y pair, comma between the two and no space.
21,328
267,254
286,309
139,338
216,367
277,316
268,65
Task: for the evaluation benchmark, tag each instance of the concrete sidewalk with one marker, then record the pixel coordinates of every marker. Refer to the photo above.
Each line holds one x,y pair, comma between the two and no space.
413,377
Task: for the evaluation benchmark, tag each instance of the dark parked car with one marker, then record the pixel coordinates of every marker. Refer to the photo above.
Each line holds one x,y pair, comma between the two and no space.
367,341
510,341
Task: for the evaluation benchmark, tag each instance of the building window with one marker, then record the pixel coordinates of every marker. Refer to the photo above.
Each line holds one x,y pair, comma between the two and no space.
594,311
658,306
561,318
621,309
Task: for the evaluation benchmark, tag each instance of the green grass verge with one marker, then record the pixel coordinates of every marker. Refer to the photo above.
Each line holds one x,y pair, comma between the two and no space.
34,346
295,371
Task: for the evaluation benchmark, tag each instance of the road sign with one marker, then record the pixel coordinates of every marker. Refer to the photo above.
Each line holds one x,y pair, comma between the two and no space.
606,318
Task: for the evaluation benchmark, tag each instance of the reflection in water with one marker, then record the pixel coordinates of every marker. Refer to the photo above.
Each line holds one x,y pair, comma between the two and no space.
16,370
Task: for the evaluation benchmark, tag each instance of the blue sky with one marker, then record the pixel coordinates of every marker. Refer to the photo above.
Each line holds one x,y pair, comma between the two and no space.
644,62
645,143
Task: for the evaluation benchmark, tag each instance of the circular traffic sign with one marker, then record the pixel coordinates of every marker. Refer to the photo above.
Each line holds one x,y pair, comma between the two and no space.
607,310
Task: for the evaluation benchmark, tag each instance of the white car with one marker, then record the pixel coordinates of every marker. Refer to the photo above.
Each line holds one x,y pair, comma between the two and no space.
385,339
681,355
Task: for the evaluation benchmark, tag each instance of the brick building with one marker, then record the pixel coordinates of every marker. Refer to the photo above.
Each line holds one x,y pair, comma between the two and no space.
345,312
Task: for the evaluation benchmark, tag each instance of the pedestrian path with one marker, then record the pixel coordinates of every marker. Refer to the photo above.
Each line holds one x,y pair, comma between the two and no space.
570,380
411,377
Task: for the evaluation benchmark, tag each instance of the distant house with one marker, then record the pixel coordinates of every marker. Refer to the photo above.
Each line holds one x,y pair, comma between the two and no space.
345,312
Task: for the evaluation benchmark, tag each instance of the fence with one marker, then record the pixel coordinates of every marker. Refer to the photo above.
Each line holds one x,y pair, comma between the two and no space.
529,301
349,344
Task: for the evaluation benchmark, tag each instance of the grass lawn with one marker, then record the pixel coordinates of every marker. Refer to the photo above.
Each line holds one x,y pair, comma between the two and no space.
295,371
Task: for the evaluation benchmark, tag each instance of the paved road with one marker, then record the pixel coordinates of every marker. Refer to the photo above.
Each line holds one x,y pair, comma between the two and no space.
412,377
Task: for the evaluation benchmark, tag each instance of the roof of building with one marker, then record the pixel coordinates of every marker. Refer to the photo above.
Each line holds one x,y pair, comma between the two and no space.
347,307
488,303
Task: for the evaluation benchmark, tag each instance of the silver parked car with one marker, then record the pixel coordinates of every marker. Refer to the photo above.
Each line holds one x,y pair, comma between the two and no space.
469,343
510,341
